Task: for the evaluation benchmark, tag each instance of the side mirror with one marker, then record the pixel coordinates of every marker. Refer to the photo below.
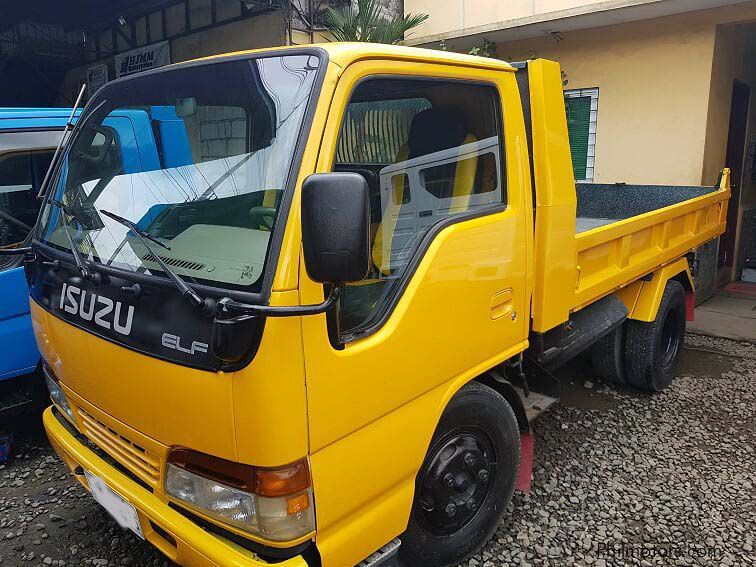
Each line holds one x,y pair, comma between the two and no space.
336,227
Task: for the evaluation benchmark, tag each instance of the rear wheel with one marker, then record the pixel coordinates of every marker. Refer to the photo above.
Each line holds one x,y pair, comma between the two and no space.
652,350
608,356
466,480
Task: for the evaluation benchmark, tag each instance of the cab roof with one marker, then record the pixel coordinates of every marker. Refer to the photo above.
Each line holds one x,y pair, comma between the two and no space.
343,54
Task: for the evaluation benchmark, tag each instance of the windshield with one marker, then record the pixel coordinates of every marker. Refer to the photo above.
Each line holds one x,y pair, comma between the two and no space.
198,158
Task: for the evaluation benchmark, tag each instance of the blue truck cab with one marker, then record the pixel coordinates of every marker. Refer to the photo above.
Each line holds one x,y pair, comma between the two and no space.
133,141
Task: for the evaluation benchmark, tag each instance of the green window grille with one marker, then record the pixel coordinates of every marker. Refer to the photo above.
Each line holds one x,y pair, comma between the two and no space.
581,107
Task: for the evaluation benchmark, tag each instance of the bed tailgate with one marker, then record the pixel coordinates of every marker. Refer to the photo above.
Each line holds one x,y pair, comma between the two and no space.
614,255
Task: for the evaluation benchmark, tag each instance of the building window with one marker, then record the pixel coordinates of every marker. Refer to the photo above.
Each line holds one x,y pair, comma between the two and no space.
581,106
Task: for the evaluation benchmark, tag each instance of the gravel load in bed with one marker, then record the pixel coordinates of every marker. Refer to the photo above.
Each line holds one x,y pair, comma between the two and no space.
620,478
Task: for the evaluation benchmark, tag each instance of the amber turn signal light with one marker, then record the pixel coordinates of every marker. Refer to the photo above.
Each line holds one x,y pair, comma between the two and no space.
282,480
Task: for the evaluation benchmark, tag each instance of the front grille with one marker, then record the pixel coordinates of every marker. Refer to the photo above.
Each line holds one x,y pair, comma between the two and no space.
138,460
89,444
175,262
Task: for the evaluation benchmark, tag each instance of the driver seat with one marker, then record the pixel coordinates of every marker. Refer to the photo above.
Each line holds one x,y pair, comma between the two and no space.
432,130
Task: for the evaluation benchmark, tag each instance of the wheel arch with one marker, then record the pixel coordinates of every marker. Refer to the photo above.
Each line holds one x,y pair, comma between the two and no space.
648,293
511,396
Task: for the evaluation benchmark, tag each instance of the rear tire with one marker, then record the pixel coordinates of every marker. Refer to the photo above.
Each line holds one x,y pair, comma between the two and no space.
652,350
608,356
466,480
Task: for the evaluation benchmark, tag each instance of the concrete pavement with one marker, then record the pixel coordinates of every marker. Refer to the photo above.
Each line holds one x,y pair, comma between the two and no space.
730,313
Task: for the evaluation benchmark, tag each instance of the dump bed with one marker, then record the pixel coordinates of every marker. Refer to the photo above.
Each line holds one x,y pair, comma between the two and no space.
591,240
627,231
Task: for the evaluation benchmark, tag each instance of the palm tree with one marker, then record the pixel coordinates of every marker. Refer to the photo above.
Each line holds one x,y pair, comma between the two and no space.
369,24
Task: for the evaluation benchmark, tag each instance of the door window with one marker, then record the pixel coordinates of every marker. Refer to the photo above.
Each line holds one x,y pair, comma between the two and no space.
430,150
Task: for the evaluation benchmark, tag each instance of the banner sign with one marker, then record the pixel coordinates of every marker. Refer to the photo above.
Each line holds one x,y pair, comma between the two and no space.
142,59
96,77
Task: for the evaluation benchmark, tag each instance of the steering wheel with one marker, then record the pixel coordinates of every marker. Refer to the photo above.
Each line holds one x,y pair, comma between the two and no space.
263,216
99,156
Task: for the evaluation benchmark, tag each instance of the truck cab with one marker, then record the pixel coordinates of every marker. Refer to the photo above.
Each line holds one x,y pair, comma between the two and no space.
318,336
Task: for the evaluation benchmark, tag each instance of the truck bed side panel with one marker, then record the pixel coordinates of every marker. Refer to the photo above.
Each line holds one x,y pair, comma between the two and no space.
612,256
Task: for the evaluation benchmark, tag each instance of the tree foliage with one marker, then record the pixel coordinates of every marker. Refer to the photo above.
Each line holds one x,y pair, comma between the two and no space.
368,23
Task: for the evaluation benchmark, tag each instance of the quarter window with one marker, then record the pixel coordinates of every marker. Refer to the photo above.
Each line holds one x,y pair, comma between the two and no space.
430,151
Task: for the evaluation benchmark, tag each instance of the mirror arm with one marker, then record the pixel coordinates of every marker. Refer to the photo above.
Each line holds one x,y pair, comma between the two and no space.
229,306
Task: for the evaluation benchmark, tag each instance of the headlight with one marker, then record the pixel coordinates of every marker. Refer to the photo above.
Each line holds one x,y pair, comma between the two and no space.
275,504
56,394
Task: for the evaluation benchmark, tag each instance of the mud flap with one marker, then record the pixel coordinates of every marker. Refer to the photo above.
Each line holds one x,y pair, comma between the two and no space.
690,306
525,474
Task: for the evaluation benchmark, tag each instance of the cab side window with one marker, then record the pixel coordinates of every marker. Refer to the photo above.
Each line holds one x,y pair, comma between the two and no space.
430,150
21,174
100,152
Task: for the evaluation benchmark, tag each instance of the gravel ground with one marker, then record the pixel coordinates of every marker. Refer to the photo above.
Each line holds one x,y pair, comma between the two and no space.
625,478
668,479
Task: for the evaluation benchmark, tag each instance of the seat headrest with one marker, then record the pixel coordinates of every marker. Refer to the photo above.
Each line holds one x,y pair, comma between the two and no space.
436,129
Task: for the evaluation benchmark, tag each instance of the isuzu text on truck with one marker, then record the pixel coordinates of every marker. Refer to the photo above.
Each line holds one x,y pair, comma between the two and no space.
320,337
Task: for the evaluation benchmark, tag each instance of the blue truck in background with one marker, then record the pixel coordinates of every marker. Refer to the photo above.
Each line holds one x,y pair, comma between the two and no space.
28,138
134,141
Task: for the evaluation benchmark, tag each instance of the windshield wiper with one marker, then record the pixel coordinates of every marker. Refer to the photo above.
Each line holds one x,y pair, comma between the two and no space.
71,212
83,266
135,228
189,294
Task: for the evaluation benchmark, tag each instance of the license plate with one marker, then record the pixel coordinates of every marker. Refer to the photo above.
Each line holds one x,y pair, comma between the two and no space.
123,512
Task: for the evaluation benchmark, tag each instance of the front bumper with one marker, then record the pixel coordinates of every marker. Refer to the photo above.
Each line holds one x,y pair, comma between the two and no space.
173,534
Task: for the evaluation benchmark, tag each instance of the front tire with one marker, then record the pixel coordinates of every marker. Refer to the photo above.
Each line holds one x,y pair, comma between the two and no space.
652,350
466,480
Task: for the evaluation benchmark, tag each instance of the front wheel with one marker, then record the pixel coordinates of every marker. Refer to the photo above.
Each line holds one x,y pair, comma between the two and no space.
466,480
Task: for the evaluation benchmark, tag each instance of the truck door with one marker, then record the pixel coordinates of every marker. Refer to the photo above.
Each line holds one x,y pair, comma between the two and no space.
24,159
446,298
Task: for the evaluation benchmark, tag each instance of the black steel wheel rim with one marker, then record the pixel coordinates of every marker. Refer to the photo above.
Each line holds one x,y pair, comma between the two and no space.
670,340
456,480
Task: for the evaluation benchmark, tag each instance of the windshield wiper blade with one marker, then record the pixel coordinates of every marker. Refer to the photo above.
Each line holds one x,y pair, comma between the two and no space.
71,212
135,228
83,266
189,294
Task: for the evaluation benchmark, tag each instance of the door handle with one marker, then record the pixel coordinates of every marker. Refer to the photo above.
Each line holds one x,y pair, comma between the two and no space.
502,303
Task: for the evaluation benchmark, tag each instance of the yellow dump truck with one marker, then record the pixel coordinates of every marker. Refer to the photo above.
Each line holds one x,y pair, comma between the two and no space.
311,321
